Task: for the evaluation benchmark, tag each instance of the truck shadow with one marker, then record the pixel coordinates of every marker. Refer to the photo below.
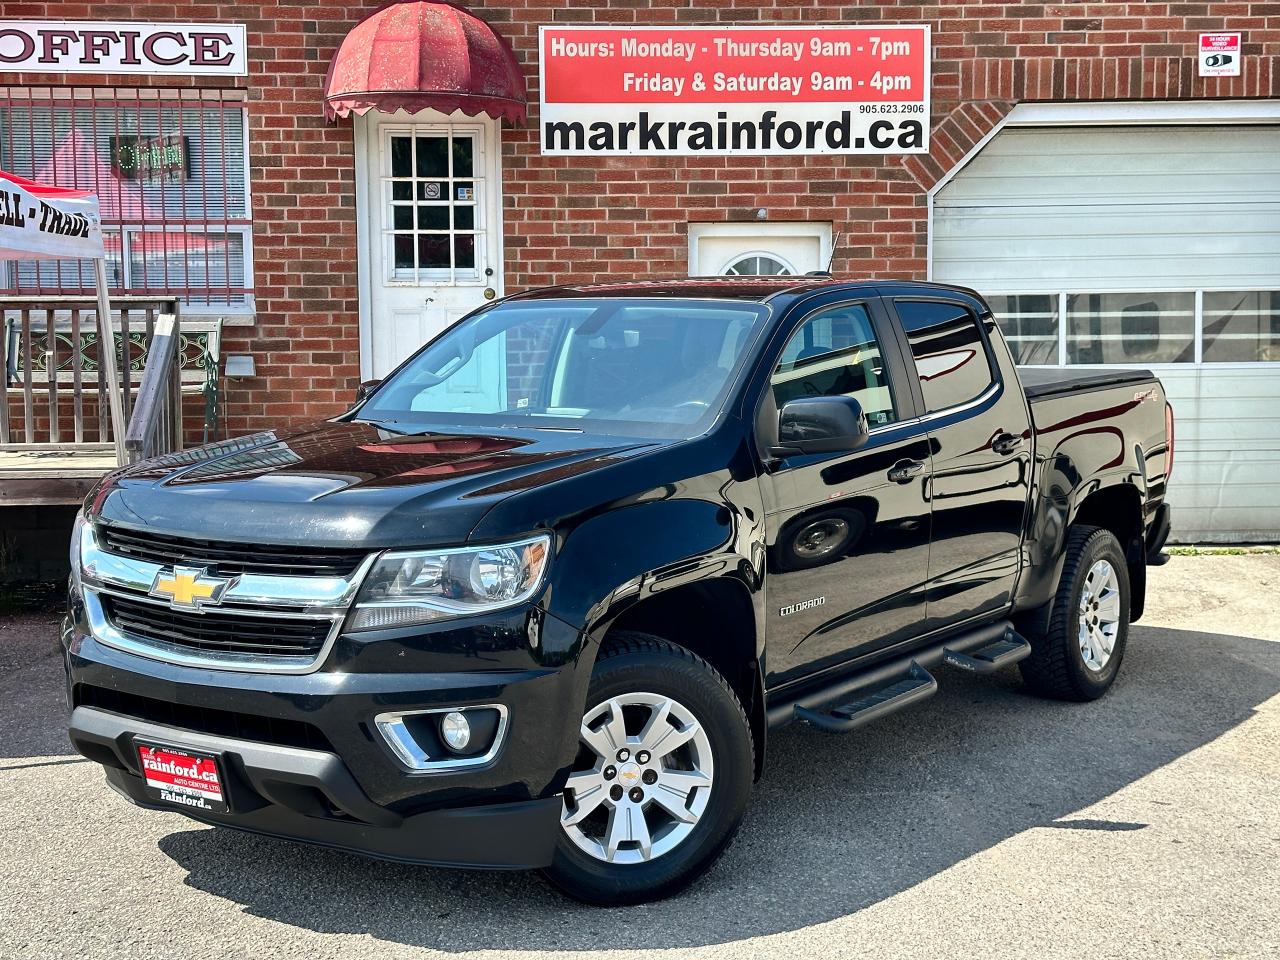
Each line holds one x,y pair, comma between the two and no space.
836,825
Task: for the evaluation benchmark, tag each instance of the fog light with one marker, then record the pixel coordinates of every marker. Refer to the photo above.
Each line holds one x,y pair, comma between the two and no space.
455,730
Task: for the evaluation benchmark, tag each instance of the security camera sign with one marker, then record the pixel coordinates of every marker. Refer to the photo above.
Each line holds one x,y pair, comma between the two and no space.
698,91
1219,54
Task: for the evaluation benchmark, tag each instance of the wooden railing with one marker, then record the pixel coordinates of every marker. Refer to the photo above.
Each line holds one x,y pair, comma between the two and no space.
56,399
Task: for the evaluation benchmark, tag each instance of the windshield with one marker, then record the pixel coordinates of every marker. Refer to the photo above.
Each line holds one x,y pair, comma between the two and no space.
635,367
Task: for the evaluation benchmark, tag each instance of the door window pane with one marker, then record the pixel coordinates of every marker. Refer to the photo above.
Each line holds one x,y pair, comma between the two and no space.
949,353
433,157
1029,323
431,221
433,218
433,251
1241,327
463,165
836,354
1131,328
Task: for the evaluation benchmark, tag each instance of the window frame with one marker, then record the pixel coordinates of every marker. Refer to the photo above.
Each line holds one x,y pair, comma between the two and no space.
88,96
1197,362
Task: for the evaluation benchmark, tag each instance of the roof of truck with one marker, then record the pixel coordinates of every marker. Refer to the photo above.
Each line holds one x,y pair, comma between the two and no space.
719,288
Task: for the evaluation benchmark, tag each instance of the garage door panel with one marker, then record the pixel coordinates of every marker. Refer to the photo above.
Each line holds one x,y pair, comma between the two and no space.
1145,210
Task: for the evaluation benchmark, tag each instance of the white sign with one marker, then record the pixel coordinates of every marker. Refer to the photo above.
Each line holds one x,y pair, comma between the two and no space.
786,89
186,49
1219,54
47,223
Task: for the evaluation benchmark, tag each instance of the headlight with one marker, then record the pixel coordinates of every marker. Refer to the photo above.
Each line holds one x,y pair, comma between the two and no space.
405,587
77,535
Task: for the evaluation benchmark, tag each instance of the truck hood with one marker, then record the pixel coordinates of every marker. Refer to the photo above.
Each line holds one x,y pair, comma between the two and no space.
335,484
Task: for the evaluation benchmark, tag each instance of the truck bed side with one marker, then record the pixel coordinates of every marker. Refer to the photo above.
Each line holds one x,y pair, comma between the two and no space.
1099,458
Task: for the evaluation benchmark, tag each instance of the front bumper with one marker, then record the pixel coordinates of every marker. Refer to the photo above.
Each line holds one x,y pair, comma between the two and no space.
310,795
302,753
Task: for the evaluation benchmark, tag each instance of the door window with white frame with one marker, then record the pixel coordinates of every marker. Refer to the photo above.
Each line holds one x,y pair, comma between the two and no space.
433,211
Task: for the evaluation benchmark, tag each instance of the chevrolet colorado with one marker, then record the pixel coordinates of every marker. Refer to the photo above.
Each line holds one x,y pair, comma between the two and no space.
536,600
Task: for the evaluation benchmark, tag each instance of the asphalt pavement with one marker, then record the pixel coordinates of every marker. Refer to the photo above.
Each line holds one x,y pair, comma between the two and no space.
982,823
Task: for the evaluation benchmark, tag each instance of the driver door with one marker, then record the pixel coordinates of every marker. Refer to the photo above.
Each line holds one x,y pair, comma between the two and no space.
847,533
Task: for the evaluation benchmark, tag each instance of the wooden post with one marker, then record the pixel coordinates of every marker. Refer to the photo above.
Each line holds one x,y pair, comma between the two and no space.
107,353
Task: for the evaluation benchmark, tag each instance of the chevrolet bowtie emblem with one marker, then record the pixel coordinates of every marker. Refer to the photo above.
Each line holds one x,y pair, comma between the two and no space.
189,588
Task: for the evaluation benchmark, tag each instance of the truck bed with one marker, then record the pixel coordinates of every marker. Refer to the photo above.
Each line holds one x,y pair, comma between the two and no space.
1042,382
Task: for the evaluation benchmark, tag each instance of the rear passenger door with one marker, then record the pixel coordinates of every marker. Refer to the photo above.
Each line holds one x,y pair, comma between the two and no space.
980,437
847,543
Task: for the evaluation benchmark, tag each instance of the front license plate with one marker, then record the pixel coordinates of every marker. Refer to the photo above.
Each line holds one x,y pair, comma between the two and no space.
182,777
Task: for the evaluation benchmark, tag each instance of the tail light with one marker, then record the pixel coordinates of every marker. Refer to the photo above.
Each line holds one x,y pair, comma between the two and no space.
1168,441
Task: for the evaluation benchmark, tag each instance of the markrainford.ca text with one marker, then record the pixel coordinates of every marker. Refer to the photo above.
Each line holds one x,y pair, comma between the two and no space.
766,133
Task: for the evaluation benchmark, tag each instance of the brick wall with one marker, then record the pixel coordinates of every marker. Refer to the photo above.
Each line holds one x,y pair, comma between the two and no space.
571,219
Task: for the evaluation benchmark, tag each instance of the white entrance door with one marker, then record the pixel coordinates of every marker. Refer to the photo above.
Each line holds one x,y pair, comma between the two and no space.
767,249
429,213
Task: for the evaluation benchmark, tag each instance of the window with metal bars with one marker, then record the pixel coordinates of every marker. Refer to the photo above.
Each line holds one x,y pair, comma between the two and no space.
170,169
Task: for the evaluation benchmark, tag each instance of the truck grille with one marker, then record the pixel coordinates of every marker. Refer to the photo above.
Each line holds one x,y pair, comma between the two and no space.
259,635
230,559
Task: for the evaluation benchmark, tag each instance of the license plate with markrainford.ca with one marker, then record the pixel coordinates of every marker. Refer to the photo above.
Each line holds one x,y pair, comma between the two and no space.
184,778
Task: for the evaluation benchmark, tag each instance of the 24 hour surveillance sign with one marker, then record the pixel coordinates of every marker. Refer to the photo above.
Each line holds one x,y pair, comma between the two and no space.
688,91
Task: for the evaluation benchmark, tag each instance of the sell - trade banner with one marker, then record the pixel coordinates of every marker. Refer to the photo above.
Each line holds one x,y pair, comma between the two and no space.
43,222
681,91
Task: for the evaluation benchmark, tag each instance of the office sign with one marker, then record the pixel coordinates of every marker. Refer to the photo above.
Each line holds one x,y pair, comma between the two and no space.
683,91
181,49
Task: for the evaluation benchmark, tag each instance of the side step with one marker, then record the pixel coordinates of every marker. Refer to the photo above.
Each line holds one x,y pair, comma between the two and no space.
1008,650
873,704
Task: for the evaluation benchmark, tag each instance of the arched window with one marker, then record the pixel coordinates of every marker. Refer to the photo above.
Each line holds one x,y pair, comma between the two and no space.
758,263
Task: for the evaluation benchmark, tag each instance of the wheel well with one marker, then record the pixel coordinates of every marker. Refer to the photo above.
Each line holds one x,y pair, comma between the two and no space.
1119,509
716,620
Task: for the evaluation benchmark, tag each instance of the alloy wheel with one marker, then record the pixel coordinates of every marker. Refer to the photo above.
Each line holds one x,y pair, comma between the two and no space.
1099,615
642,779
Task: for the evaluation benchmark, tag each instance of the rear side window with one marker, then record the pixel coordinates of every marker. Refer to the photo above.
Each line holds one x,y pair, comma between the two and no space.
949,352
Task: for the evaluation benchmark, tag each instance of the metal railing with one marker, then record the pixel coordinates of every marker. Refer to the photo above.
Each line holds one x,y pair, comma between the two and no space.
55,395
155,423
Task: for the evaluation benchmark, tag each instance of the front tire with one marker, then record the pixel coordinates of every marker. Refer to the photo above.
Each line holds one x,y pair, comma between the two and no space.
1079,655
661,779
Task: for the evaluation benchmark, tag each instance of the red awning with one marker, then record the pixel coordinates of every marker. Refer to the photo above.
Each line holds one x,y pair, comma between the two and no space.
415,56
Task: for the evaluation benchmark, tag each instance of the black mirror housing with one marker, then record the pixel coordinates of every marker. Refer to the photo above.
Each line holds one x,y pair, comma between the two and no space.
366,388
821,425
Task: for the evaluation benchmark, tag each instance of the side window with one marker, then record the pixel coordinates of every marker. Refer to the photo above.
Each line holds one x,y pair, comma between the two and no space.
835,353
948,350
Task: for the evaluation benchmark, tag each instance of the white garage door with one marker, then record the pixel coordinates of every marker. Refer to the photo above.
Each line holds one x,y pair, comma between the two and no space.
1156,246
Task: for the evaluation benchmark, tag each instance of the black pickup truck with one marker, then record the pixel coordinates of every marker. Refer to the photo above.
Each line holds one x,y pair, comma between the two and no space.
536,600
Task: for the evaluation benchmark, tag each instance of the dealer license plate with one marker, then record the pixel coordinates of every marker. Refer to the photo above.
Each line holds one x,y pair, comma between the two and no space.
184,778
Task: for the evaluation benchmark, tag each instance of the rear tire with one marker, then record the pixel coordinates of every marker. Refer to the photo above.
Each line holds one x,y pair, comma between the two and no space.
689,801
1078,656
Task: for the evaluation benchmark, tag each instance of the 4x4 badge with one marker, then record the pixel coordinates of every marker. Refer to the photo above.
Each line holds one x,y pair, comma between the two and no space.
189,588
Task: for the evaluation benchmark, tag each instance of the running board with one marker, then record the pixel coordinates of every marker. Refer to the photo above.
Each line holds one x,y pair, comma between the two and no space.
1004,652
874,704
862,695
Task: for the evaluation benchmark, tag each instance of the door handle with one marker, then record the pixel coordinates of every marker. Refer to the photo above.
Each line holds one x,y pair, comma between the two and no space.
1006,444
904,470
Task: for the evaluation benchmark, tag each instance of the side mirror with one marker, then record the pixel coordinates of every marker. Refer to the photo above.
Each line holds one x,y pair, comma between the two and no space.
366,388
820,425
